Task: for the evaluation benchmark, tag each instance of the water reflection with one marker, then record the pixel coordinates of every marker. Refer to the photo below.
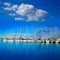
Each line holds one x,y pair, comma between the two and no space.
29,51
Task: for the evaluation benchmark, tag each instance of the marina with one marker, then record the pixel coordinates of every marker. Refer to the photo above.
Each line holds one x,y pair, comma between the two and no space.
30,40
29,29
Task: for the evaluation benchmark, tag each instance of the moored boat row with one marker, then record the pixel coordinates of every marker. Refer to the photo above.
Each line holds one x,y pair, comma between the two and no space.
41,41
33,40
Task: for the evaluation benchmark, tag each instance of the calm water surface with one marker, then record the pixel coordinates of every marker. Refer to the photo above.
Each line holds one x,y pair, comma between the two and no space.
29,51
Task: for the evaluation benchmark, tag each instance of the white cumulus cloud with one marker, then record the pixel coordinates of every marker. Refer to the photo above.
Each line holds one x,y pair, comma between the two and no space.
27,11
7,4
18,18
12,8
12,14
31,12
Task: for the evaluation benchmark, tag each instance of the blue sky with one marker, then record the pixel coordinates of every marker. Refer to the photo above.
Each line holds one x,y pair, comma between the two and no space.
8,22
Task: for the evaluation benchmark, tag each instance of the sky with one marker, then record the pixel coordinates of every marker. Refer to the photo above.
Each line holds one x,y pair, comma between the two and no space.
26,16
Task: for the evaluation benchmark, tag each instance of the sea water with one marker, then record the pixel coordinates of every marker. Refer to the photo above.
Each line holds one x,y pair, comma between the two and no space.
29,51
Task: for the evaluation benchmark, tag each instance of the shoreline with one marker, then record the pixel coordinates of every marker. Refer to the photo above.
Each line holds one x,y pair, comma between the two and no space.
40,41
30,40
